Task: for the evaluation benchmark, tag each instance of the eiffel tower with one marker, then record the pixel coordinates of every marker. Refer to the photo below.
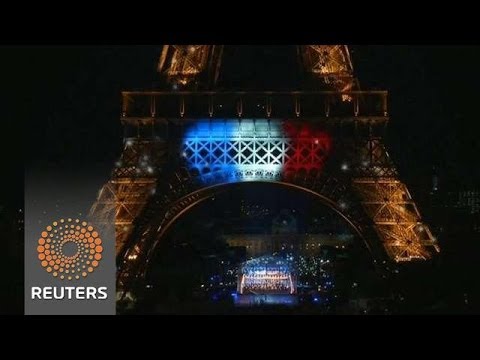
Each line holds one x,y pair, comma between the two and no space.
193,140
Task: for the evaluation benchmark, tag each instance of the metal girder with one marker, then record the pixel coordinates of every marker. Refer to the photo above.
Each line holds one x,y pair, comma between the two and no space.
373,160
368,158
329,63
140,159
255,154
396,218
147,107
121,201
403,242
182,64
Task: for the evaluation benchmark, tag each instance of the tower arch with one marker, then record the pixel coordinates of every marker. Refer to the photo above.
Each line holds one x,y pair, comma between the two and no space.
136,255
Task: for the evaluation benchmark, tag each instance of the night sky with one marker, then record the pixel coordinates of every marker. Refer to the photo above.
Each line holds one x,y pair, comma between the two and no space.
433,103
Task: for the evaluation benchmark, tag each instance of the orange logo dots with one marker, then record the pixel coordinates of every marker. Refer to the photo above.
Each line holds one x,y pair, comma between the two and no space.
71,248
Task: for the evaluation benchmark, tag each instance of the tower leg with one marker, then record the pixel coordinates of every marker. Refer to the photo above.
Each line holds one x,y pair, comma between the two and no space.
134,179
388,203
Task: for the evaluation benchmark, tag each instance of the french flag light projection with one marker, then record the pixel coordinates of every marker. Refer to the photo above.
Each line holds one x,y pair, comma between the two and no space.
253,149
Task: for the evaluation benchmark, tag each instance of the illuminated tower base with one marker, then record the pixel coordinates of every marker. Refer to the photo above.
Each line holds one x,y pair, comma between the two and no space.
185,146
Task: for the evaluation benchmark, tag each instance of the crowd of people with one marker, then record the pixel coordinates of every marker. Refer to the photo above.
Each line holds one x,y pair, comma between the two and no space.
269,281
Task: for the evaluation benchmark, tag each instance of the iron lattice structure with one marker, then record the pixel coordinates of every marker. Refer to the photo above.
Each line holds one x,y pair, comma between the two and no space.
330,63
133,182
185,64
396,218
187,146
254,146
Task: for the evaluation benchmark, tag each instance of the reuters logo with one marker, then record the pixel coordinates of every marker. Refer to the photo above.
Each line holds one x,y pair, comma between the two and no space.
69,249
